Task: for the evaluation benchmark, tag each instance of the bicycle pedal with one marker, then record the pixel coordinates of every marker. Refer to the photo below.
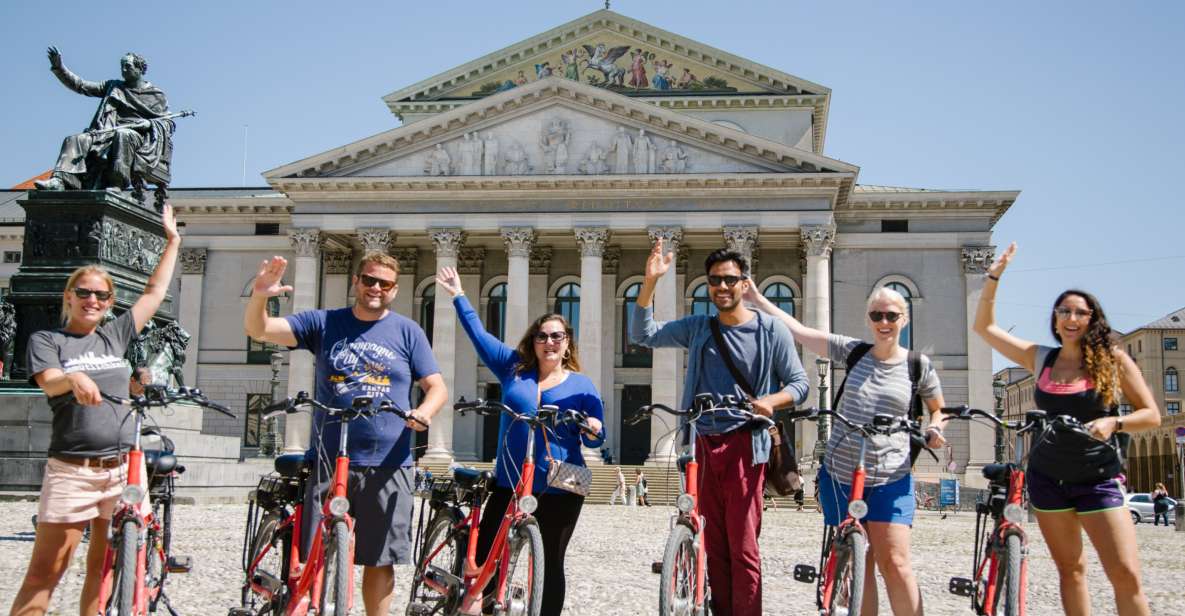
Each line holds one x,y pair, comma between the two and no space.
962,587
240,611
418,609
656,567
805,574
179,564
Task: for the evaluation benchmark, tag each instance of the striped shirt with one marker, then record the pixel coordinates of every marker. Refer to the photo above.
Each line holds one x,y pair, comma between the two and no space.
873,387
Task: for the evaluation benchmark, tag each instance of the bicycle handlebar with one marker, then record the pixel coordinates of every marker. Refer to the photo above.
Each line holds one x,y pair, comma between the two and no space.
545,413
361,405
1033,419
160,396
729,405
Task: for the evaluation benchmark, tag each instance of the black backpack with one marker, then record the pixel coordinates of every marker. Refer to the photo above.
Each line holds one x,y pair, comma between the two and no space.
916,443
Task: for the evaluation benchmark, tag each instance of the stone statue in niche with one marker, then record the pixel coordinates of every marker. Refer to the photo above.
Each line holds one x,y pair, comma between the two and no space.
622,144
554,142
471,147
516,160
489,155
594,163
438,161
674,159
643,153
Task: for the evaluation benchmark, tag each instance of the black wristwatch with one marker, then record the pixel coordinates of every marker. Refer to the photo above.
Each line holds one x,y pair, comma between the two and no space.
1119,424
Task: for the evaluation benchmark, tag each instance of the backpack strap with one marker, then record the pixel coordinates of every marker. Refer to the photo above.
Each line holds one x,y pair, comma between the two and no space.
915,378
722,349
853,358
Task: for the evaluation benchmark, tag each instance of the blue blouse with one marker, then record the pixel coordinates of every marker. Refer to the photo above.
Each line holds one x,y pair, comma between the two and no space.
519,391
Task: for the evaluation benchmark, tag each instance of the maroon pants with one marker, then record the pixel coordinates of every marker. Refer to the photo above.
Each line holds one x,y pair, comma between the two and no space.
730,499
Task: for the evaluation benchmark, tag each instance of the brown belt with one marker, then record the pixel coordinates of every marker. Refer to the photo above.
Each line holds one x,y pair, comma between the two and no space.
107,462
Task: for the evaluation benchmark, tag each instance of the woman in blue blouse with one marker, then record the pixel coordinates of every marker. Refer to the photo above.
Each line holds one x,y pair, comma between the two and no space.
542,370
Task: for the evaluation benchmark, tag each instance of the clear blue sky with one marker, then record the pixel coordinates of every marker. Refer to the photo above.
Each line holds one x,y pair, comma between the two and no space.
1077,104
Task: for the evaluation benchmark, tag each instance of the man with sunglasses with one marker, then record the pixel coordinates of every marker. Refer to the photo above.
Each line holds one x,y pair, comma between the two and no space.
732,456
363,350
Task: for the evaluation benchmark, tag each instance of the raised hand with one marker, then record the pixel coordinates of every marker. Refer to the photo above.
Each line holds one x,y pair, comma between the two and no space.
267,280
754,297
1001,262
55,57
168,218
658,262
450,281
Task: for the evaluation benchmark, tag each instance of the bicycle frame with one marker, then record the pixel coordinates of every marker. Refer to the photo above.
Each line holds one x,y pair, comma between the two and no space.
123,513
850,524
692,518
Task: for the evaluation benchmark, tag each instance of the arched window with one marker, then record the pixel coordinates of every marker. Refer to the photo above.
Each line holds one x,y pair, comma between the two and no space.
567,305
1170,380
701,302
261,352
782,296
633,355
428,310
907,331
496,311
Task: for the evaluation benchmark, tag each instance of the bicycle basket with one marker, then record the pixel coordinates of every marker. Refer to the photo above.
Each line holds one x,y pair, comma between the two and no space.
275,489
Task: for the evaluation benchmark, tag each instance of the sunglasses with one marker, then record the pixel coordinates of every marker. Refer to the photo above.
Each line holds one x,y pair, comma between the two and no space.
1064,313
86,293
729,281
877,315
543,337
370,281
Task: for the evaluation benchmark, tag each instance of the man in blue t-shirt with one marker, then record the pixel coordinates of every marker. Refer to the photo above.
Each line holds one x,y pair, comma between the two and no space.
363,350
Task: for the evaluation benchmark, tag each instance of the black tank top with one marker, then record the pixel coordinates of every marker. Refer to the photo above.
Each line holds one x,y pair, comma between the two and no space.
1067,456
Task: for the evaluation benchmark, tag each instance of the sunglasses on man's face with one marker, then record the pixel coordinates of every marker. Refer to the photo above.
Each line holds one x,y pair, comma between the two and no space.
370,281
729,281
543,337
877,315
86,293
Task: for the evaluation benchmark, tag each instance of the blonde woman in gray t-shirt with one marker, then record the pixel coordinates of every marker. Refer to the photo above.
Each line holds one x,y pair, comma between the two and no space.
878,383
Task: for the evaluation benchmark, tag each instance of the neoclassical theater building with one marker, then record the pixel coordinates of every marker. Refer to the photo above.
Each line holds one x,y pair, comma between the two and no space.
544,171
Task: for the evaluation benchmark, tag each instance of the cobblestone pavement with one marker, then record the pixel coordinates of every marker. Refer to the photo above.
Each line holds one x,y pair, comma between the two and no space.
609,562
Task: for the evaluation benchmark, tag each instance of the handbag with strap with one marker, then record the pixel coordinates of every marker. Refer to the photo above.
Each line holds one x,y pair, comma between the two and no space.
781,473
564,475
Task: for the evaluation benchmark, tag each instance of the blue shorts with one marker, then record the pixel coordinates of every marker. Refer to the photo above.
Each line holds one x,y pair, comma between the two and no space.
892,502
1048,494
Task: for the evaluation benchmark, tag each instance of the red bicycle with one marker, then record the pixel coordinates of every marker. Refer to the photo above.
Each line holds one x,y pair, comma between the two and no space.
277,582
137,560
840,588
684,588
448,579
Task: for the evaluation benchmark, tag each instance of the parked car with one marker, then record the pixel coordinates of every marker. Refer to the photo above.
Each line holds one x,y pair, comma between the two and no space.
1141,508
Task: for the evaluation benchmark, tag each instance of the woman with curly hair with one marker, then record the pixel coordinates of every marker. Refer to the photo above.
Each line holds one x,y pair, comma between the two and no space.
1071,480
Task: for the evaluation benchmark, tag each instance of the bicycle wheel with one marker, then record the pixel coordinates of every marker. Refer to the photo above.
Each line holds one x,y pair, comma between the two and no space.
123,587
335,586
272,567
157,548
848,585
1008,583
523,595
676,588
441,549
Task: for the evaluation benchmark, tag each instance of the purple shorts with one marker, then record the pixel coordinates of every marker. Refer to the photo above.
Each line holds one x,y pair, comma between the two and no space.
1048,494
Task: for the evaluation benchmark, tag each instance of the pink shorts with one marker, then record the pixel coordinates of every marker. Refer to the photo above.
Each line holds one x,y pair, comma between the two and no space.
71,494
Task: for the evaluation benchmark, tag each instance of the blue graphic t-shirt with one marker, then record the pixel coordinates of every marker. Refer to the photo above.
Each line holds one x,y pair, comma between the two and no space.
380,359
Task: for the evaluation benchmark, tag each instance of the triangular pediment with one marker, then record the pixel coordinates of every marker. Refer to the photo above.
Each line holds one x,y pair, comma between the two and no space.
608,50
559,127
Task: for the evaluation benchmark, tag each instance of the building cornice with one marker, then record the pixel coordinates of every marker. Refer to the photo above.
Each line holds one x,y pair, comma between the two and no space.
995,203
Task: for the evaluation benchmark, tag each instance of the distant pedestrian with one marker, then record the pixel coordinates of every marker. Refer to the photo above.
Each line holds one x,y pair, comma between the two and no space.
799,498
1160,504
620,490
641,488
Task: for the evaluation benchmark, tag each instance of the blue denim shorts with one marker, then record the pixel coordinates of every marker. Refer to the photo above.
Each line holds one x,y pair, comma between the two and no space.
893,502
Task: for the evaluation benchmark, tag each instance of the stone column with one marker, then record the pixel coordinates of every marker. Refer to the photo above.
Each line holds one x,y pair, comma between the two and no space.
335,278
592,251
668,363
448,243
817,242
519,241
193,273
404,302
981,438
742,240
540,270
467,429
375,239
306,246
610,330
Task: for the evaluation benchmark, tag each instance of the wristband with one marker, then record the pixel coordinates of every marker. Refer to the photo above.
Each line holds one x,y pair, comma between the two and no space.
996,278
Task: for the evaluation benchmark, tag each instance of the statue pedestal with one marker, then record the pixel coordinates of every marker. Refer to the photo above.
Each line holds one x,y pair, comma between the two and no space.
65,230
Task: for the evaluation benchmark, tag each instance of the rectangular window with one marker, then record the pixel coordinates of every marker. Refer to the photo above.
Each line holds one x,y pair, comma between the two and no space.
12,256
267,228
253,422
894,226
1125,409
1139,346
1173,407
1170,344
1170,381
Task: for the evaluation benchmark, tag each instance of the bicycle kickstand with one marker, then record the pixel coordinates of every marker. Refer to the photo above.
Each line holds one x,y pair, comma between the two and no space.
163,598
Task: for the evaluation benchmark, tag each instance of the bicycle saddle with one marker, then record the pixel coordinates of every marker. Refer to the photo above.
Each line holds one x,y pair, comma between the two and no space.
996,472
290,465
159,462
471,478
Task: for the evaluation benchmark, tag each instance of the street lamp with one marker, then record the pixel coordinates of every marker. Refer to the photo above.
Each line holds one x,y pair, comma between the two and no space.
998,389
823,425
270,442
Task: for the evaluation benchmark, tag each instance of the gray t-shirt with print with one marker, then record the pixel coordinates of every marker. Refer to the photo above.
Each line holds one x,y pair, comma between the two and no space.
88,431
873,387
